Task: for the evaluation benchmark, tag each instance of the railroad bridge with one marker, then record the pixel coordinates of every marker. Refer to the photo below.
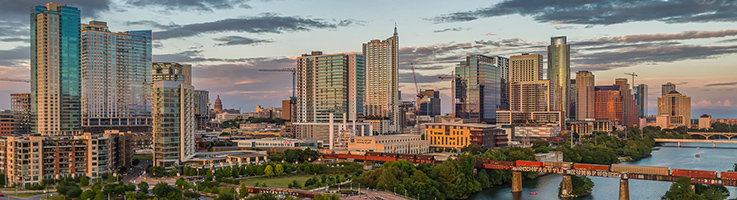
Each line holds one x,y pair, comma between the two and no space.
622,172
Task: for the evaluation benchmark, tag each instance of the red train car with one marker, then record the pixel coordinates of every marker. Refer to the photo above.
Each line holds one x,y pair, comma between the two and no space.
497,166
729,175
694,173
529,163
591,167
499,162
425,158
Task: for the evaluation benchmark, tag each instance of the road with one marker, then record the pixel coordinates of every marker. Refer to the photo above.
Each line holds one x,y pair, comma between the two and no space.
37,197
136,171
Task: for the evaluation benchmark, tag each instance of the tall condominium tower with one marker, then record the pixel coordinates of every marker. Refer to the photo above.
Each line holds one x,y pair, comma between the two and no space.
55,70
330,83
585,97
173,114
382,79
528,92
526,67
116,74
641,99
559,70
667,88
677,106
478,88
20,107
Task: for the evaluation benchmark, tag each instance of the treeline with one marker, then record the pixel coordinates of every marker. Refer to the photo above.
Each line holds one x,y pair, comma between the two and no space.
449,180
235,123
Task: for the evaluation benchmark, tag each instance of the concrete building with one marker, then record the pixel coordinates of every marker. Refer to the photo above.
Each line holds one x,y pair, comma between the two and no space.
379,126
456,135
590,126
585,95
382,79
6,124
667,88
430,103
288,109
526,67
342,73
478,88
517,117
559,73
173,114
269,113
20,107
321,131
705,122
527,133
115,79
641,99
142,140
55,70
616,103
402,143
677,106
530,96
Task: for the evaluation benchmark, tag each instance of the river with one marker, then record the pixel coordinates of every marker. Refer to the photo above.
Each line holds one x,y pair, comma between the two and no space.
721,158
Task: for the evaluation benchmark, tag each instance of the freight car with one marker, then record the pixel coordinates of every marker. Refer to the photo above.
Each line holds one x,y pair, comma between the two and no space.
729,175
640,169
694,173
528,163
561,165
591,167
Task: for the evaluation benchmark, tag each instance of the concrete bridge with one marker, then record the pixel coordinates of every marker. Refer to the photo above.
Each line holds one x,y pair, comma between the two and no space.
707,135
564,168
679,141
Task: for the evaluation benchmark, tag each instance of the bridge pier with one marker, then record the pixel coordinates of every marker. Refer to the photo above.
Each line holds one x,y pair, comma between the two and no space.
516,181
624,189
679,144
567,185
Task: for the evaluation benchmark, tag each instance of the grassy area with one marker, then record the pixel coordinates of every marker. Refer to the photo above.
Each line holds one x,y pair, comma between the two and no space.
143,156
24,195
284,181
55,197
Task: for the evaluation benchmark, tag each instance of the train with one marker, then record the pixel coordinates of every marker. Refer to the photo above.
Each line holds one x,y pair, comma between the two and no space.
634,170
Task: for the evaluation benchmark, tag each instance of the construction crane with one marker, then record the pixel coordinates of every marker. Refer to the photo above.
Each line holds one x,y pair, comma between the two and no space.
452,89
417,102
15,80
294,77
633,79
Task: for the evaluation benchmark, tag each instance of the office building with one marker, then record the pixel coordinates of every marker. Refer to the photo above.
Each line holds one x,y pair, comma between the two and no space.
116,74
6,124
382,79
457,135
667,88
641,99
55,70
20,107
202,108
402,143
430,103
526,67
573,97
677,106
478,88
330,83
586,127
321,131
616,103
585,95
559,70
173,114
630,109
526,133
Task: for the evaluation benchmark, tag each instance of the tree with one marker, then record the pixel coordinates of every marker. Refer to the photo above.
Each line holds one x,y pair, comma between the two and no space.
243,191
84,181
269,171
296,184
130,195
540,143
143,187
226,196
87,194
279,169
681,189
74,192
472,149
163,189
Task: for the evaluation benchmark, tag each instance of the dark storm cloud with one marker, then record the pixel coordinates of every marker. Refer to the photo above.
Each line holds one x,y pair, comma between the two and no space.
265,23
19,9
238,40
449,29
15,56
720,84
195,5
149,23
604,12
14,29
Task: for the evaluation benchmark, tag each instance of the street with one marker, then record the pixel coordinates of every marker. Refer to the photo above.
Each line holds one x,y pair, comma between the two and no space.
135,172
37,197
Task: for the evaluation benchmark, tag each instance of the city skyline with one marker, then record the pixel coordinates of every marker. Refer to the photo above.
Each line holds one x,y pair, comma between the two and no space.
227,41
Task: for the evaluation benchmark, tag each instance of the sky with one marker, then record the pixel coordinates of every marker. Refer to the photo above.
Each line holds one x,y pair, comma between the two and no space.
691,43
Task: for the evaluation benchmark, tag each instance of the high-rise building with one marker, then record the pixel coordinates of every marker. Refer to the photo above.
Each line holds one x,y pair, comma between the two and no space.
202,108
55,70
115,79
667,88
573,97
585,95
616,103
287,109
641,99
173,114
677,106
631,111
526,67
330,83
430,103
530,96
20,107
382,79
559,73
478,88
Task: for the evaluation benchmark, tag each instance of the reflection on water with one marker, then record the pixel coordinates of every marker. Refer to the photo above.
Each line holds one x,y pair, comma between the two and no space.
721,158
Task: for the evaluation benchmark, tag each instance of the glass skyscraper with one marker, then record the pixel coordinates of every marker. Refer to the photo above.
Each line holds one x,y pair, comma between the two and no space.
559,73
55,70
641,98
478,89
116,77
173,114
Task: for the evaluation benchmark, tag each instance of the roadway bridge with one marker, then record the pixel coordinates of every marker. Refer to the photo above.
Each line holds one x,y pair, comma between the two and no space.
623,172
707,135
679,141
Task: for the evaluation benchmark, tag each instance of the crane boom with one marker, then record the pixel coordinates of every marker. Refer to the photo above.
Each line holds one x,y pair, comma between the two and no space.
417,101
15,80
294,78
633,79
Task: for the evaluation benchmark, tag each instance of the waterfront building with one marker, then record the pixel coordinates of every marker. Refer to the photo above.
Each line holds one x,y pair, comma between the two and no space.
55,70
330,83
478,88
116,74
585,95
616,103
559,70
382,79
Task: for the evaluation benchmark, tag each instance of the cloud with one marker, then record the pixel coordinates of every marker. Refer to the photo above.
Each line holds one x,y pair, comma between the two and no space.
265,23
512,42
604,12
19,9
626,57
149,23
720,84
408,78
238,40
709,104
15,56
193,5
450,29
195,56
687,35
565,27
